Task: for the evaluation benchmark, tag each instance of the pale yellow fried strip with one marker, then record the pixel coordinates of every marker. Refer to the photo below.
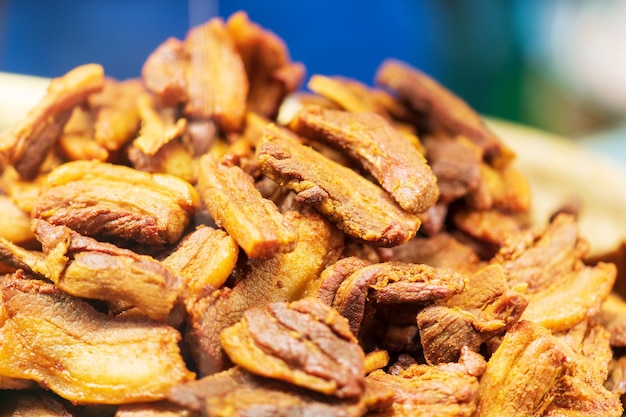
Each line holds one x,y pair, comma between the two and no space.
26,145
156,130
83,355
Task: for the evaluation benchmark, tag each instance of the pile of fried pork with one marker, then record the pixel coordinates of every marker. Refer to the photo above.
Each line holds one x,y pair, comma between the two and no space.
214,239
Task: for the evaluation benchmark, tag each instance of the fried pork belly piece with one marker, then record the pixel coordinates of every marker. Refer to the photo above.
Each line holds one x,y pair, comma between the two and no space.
562,290
253,129
423,390
238,392
259,282
572,299
100,199
31,404
616,380
84,267
26,145
486,308
537,256
380,148
613,317
523,375
77,147
487,290
329,281
354,96
14,223
77,141
154,409
441,250
85,356
491,226
387,283
23,193
217,84
271,73
444,331
305,343
442,108
165,72
205,257
376,359
116,114
173,158
503,188
235,204
349,94
617,256
455,162
357,206
582,390
158,126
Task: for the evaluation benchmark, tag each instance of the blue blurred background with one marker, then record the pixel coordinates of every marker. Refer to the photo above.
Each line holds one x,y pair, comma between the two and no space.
558,65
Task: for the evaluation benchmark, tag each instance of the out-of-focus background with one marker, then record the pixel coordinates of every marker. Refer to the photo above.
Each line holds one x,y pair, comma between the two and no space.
559,65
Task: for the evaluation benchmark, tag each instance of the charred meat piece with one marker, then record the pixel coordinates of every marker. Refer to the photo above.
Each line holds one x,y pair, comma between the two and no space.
84,267
357,206
217,82
259,282
85,356
238,392
235,204
441,107
116,114
305,343
165,72
104,200
27,144
271,73
379,147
